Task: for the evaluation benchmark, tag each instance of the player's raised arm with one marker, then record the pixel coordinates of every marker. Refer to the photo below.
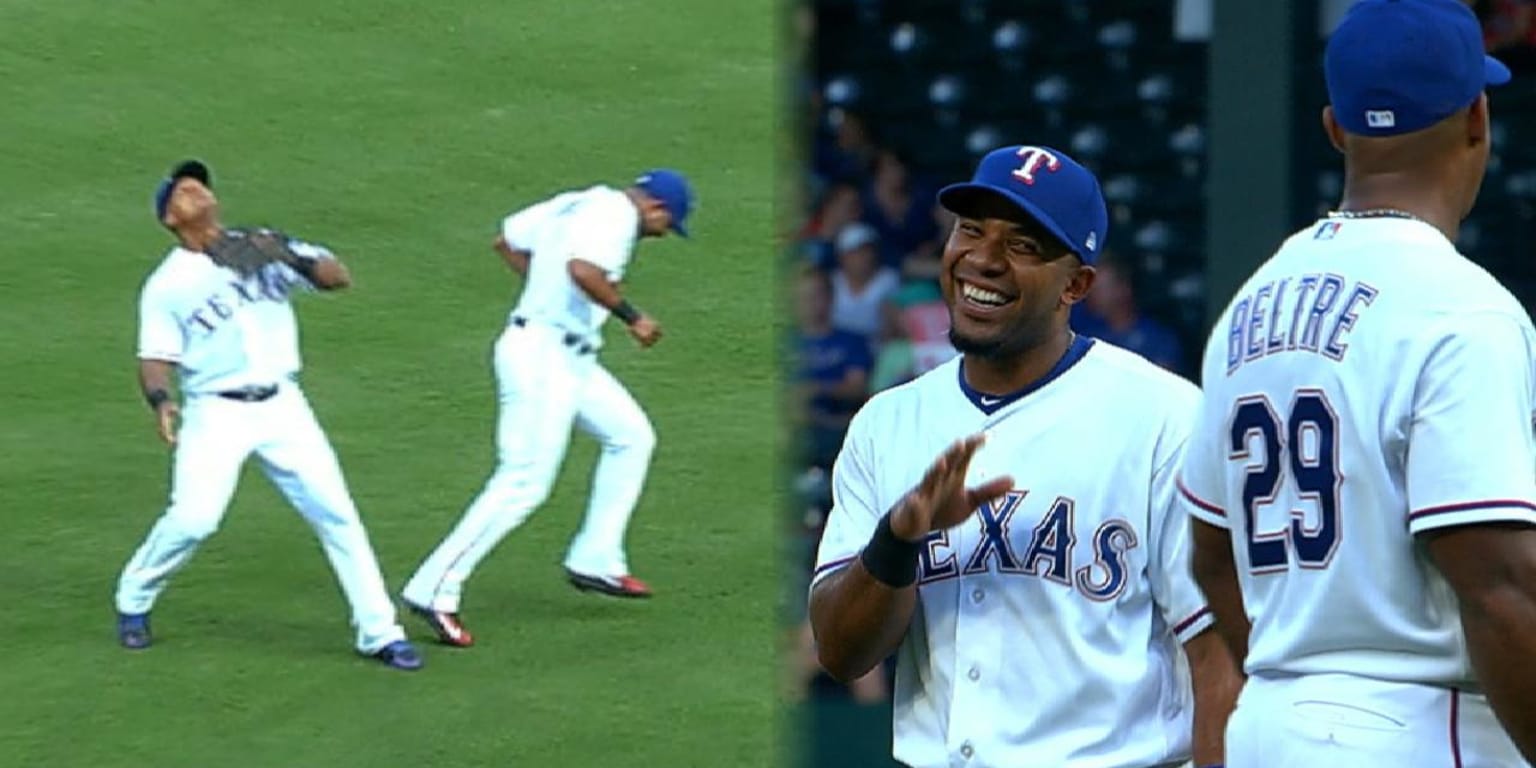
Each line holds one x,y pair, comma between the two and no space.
861,612
316,264
1476,507
329,274
320,266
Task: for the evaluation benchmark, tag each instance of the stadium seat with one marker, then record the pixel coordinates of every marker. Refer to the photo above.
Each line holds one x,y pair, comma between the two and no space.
1011,42
1124,188
1116,39
1089,142
983,139
842,91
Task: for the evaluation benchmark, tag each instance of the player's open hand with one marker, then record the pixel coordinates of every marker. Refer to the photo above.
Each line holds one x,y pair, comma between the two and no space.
166,416
645,330
941,500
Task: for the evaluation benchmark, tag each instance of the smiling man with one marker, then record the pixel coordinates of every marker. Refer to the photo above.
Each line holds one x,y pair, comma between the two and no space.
1036,590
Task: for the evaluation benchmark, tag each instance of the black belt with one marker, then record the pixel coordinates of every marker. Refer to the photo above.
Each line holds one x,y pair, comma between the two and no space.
249,394
574,341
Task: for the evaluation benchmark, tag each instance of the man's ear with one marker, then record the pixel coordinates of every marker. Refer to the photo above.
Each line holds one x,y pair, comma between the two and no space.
1331,127
1477,121
1079,285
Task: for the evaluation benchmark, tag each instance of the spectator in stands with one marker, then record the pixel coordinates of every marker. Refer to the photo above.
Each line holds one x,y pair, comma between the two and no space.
834,370
1110,313
860,283
917,339
844,149
899,210
839,206
923,264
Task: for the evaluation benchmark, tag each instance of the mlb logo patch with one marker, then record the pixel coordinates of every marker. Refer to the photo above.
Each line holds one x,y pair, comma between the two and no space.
1327,230
1380,118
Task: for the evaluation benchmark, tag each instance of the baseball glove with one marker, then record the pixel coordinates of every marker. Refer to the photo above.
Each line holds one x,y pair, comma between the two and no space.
247,250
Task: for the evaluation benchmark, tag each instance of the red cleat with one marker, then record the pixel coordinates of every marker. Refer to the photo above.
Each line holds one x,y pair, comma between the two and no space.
450,631
617,586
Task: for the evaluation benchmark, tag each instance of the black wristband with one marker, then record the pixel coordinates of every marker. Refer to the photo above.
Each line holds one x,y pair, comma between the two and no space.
624,311
892,561
304,266
156,398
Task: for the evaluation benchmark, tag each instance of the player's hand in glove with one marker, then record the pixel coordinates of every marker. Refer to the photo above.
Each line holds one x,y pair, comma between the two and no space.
248,250
645,330
941,500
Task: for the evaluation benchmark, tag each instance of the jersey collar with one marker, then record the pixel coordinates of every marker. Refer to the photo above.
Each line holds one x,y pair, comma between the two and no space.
990,404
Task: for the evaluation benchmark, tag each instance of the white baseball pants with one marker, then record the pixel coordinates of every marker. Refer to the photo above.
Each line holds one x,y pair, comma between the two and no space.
545,386
1345,720
214,440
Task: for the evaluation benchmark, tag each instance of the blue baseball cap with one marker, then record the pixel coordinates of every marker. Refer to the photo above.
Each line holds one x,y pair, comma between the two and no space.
674,192
1048,186
1398,66
195,169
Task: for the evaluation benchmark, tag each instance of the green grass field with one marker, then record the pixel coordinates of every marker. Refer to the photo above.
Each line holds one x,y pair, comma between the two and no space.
399,133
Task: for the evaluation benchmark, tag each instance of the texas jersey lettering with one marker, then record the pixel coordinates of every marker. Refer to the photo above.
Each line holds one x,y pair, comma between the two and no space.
1045,602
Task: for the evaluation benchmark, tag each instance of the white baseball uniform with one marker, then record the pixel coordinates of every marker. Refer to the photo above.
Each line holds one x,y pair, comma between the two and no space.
1048,626
549,378
1367,384
234,335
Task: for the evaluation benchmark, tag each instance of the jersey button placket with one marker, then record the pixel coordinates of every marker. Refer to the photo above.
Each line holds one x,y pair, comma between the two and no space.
965,697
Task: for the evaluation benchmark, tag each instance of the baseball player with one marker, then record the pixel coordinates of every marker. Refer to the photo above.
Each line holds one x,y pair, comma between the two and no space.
1362,477
573,249
229,332
1007,523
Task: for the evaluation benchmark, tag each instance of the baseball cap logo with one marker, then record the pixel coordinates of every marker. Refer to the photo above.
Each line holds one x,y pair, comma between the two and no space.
1380,118
1035,159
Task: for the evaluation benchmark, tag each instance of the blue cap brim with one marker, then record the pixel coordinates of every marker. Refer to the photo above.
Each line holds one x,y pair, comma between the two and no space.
1494,71
954,195
681,230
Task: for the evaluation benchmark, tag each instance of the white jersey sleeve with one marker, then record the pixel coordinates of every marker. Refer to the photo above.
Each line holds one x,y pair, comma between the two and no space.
1475,390
598,230
1200,476
160,333
602,238
520,228
854,512
1174,590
